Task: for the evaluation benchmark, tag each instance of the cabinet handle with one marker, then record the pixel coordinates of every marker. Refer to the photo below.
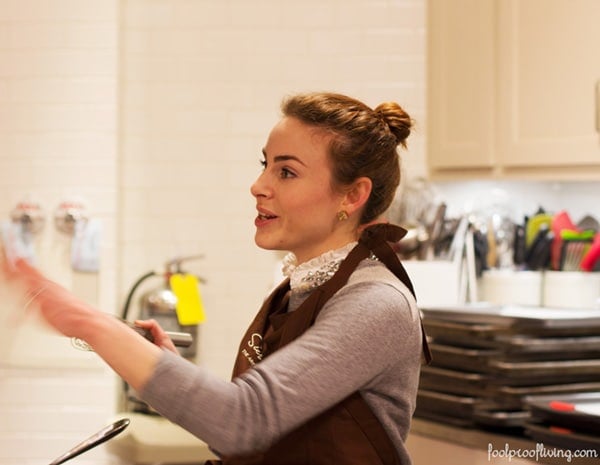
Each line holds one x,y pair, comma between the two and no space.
598,106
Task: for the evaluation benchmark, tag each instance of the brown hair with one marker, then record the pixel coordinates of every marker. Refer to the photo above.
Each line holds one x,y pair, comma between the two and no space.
364,141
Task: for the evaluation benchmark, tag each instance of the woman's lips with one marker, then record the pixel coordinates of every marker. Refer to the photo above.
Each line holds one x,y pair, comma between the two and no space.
264,218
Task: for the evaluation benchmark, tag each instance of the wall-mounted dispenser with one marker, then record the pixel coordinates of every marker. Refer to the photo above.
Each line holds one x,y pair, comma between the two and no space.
68,215
71,218
17,234
29,215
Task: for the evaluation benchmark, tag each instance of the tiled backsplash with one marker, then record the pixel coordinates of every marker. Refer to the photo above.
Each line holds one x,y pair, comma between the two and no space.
45,412
58,120
521,198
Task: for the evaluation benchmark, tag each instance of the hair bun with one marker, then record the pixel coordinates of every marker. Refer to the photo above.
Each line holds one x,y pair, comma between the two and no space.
397,119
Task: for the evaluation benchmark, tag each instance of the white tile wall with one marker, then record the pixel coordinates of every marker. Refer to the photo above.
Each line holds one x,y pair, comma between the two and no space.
58,126
46,411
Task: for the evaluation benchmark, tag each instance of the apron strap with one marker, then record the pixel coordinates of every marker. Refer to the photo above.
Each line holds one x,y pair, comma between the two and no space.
374,239
372,236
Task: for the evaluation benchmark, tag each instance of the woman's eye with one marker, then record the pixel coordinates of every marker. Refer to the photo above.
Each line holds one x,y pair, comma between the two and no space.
263,163
286,173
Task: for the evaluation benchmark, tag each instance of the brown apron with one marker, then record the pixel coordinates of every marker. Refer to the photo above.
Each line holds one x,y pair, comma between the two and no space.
348,433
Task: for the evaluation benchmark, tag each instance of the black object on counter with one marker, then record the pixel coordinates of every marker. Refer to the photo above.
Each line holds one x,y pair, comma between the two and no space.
537,256
570,421
519,245
577,411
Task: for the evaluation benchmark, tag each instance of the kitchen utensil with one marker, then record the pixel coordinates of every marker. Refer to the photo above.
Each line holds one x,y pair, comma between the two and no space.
101,436
560,222
434,230
410,245
575,245
592,257
519,249
540,220
537,255
491,258
588,222
415,201
572,254
179,339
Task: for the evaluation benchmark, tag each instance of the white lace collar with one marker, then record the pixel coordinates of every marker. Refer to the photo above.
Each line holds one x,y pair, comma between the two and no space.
316,271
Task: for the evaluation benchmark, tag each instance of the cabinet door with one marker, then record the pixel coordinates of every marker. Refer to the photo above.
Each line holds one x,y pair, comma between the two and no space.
549,67
461,76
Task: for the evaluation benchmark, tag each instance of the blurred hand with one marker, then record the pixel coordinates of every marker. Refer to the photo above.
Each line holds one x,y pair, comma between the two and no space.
72,317
61,309
158,334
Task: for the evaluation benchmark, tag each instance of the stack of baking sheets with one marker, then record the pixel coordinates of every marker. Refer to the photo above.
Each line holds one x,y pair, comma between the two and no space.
488,359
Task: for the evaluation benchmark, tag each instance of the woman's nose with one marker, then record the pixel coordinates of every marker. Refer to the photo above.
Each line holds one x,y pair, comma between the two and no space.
259,187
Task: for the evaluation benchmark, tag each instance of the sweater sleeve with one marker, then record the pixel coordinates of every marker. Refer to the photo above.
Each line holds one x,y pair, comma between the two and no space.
359,334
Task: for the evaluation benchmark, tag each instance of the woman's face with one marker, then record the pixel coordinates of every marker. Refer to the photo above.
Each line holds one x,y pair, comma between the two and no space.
296,203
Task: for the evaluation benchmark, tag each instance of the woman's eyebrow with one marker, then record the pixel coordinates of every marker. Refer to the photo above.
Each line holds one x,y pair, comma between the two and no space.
288,158
281,158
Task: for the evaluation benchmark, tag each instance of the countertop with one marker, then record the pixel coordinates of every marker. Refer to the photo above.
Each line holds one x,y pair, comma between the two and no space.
430,441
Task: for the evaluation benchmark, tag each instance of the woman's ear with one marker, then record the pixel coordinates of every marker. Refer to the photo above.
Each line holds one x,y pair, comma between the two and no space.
357,195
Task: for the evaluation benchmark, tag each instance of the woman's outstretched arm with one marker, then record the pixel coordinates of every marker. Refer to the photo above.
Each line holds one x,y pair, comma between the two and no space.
129,354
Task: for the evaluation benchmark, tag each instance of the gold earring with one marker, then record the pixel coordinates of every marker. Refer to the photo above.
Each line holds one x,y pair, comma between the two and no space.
342,215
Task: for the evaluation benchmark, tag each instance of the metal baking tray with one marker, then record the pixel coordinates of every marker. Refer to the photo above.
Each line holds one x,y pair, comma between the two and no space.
550,436
446,404
453,382
501,418
462,422
478,359
463,358
518,318
554,369
462,334
513,374
515,396
455,345
568,345
577,411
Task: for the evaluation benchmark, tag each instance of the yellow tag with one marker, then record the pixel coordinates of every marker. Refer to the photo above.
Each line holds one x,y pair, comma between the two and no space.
189,308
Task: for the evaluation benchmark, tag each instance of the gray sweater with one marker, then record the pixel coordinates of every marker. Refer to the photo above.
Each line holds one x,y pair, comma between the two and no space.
367,337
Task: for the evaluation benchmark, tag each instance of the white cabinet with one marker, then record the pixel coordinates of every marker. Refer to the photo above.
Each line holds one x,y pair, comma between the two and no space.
460,84
513,89
548,70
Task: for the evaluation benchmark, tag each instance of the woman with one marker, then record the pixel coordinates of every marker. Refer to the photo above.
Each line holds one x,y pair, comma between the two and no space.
327,372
